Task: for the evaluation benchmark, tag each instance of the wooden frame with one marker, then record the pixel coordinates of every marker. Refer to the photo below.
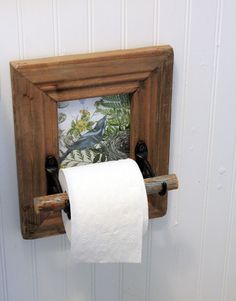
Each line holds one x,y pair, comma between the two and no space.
38,85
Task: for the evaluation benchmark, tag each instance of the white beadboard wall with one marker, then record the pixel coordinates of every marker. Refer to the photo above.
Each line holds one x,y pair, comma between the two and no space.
189,255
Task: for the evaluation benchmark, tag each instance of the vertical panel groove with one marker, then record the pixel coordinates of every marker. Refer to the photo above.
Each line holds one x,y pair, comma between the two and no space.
56,27
65,275
209,148
156,25
123,24
3,254
229,231
90,26
155,21
148,262
21,43
34,270
183,102
57,51
2,233
158,21
20,29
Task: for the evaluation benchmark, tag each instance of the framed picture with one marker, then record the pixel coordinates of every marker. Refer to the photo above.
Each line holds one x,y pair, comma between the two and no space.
95,129
84,109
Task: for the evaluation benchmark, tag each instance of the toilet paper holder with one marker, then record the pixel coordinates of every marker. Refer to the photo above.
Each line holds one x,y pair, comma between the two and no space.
40,85
57,200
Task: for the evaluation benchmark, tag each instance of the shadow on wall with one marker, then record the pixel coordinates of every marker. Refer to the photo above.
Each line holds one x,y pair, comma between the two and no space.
164,278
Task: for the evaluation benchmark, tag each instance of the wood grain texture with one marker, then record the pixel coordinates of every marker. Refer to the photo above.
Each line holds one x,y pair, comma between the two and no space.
37,85
57,202
35,116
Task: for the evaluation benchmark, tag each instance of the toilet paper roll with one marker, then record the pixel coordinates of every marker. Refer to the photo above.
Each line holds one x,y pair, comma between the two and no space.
109,211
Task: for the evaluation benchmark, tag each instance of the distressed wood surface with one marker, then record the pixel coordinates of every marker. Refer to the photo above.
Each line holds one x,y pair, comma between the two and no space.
37,86
56,202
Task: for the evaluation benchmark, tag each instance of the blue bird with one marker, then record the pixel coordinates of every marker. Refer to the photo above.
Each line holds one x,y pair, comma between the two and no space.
88,139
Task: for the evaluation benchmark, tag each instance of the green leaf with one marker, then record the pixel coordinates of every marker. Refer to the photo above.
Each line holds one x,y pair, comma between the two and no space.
61,117
103,158
88,154
96,151
80,155
96,158
72,155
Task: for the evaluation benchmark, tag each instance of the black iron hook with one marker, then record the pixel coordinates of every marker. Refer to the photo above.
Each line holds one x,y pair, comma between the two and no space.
53,184
141,154
164,189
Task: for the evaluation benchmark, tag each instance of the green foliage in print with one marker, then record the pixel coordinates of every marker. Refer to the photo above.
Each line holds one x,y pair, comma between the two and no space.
80,125
89,141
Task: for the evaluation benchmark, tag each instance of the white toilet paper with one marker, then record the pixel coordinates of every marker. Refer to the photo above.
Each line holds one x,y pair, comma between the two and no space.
109,211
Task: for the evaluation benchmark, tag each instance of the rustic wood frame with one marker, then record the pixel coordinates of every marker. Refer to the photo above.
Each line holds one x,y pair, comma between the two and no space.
37,86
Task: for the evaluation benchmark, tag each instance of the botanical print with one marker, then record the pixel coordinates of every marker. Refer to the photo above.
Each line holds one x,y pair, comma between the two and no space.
94,130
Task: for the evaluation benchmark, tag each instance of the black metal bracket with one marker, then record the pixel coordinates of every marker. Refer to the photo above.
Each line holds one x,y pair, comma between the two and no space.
51,167
141,155
53,184
163,190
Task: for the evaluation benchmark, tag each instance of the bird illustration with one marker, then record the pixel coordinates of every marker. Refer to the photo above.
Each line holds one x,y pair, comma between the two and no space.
88,139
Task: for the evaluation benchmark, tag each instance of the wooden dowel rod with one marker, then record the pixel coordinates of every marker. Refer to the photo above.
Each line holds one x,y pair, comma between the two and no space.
56,202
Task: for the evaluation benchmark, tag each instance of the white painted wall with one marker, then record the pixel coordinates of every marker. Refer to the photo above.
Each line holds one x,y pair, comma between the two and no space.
191,253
